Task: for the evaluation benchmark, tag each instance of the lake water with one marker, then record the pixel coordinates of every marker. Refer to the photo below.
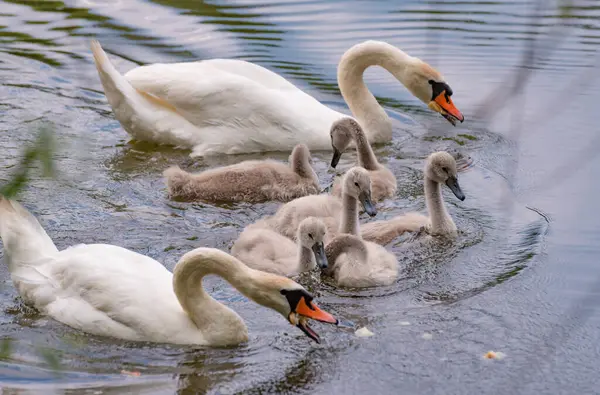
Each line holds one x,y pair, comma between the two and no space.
522,278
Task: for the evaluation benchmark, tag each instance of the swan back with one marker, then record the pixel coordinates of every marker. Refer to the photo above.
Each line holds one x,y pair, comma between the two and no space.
384,231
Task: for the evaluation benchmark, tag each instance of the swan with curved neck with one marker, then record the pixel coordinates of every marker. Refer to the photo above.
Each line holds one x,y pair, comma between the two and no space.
111,291
343,132
440,168
422,80
267,250
233,106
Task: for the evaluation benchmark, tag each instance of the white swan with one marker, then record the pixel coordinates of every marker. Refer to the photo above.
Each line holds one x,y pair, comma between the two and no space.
232,106
440,167
110,291
249,181
383,181
267,250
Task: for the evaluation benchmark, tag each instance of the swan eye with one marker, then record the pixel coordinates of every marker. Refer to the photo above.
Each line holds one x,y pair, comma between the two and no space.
310,235
356,183
445,169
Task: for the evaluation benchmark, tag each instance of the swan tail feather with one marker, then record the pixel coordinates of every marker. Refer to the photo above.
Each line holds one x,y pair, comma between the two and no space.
116,87
26,243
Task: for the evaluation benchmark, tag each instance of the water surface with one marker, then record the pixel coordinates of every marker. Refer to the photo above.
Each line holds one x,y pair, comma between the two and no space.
522,277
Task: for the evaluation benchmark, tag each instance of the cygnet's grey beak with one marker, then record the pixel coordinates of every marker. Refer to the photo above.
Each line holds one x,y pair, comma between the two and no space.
319,251
452,183
365,199
336,157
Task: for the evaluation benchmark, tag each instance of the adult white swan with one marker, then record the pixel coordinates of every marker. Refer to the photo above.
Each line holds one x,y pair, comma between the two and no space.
232,106
111,291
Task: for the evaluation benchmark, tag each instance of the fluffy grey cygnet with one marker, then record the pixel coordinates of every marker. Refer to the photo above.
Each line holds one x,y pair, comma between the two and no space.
440,168
249,181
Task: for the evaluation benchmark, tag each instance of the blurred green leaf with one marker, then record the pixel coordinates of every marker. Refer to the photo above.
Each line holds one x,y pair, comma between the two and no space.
5,348
41,150
52,358
565,9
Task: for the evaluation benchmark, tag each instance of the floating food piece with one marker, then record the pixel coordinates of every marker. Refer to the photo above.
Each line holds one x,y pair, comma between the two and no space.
494,355
129,373
427,336
404,323
363,332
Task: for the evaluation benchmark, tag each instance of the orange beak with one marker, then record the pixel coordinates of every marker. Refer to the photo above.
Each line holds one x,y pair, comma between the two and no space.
445,103
314,312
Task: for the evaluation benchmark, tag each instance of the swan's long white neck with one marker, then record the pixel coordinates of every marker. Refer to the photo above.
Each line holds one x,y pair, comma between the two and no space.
203,310
361,101
441,222
349,222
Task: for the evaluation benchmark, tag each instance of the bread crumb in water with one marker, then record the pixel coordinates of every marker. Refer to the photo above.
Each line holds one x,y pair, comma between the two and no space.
363,332
427,336
404,323
494,355
130,373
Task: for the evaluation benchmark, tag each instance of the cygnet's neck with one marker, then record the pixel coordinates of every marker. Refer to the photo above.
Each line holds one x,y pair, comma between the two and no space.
301,166
306,260
361,101
349,222
344,243
441,222
366,156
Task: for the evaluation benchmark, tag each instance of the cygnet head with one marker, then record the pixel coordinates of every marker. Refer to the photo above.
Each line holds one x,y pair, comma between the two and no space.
431,88
342,133
357,184
311,233
441,168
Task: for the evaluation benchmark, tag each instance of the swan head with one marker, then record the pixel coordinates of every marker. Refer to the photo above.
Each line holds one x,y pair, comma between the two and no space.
291,300
441,168
311,233
342,133
357,184
427,84
296,304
